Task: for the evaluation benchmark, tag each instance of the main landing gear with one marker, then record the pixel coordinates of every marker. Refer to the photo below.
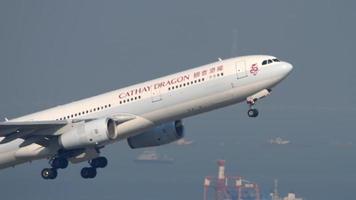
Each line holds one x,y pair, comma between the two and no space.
56,163
90,172
49,173
62,163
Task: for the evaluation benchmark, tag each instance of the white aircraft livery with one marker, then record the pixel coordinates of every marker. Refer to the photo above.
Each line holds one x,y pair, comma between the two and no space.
145,115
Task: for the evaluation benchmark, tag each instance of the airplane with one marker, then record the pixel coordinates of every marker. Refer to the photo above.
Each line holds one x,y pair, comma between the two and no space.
145,114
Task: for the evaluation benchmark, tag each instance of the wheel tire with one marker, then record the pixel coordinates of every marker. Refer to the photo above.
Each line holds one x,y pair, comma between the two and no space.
54,174
252,112
88,172
59,163
103,162
99,162
92,172
84,172
49,173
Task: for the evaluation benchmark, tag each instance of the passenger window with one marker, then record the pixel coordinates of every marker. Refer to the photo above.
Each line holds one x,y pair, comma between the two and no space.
264,62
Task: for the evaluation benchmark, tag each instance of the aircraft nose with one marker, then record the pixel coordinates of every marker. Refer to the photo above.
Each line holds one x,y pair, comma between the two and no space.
286,68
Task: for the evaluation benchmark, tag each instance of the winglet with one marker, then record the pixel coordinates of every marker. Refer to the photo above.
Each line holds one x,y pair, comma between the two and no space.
6,119
220,59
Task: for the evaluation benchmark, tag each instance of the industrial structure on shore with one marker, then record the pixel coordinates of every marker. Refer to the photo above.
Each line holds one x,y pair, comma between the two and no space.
275,194
224,187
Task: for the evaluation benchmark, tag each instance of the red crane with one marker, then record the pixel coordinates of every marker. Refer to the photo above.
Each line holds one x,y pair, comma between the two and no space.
225,187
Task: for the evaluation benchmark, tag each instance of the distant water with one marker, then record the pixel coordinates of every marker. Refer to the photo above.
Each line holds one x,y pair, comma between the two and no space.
319,163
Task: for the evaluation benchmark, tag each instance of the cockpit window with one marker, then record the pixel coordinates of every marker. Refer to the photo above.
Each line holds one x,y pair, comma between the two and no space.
269,61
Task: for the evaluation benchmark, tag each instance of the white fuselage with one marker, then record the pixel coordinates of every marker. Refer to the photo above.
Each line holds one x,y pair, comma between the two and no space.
172,97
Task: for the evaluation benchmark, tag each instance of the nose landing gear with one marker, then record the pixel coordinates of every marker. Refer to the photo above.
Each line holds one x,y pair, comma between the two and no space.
251,100
252,112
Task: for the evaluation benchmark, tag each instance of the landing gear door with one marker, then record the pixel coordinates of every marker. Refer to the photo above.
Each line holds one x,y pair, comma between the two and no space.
156,95
241,69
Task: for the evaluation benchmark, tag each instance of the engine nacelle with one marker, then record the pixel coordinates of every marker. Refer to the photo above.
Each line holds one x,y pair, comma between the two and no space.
92,133
160,135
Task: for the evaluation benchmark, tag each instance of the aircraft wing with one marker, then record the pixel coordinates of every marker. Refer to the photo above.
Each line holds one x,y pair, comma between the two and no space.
13,130
8,128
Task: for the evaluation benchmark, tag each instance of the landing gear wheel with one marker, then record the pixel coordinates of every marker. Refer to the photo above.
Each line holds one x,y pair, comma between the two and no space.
88,172
49,173
59,163
99,162
253,112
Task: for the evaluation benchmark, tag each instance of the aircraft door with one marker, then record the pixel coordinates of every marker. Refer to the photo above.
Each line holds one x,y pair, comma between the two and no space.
241,69
156,95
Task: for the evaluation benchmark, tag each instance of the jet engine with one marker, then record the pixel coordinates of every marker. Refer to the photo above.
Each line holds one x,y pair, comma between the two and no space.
92,133
160,135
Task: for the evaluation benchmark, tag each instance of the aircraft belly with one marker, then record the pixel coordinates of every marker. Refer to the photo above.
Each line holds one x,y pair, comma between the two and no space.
11,154
8,159
10,146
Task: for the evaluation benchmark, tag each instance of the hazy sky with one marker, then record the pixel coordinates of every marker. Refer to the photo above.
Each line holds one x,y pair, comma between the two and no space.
54,52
